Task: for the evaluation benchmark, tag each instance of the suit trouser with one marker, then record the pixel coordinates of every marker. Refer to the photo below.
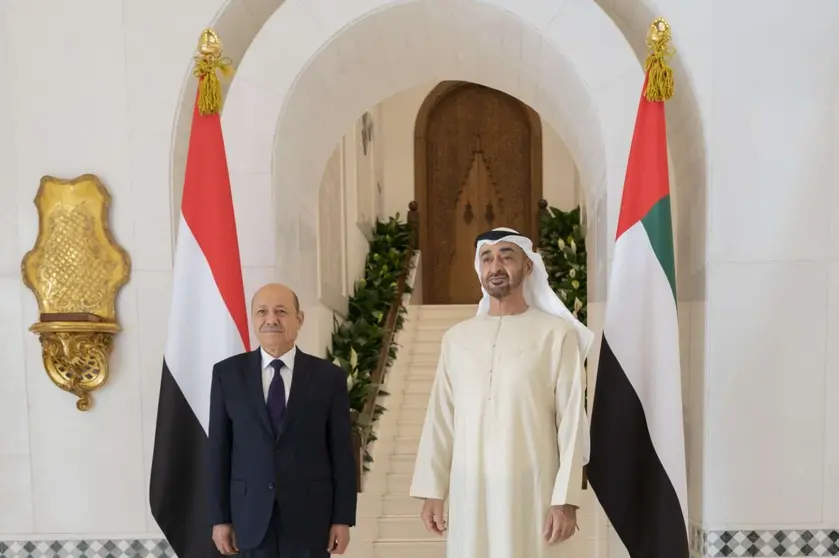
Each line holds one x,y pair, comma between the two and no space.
275,545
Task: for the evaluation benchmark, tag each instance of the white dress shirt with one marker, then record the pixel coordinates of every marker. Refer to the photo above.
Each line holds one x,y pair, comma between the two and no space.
285,371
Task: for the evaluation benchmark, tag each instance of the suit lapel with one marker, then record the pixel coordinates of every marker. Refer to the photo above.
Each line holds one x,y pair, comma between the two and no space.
253,384
300,385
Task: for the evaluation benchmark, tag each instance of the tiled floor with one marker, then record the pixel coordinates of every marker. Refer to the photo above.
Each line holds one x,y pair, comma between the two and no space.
147,548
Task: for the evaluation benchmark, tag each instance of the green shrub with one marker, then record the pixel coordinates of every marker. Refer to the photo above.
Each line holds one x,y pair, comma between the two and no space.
562,244
357,342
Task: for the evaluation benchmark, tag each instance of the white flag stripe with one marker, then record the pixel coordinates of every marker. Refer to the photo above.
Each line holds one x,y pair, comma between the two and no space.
642,328
201,330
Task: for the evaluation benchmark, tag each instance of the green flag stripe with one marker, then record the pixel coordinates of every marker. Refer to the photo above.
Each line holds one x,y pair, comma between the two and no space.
659,226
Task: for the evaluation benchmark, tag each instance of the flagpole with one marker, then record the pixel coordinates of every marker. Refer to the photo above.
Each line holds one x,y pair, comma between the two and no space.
207,290
637,467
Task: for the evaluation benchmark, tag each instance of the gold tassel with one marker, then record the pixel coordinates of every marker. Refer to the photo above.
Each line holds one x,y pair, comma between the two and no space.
208,64
660,83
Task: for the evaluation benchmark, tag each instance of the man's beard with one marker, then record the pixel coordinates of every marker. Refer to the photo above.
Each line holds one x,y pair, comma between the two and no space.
502,288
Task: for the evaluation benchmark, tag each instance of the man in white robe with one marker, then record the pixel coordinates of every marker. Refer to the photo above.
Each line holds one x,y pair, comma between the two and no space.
505,437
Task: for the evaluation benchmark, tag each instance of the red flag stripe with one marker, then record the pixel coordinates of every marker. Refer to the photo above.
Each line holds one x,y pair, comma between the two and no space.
647,180
207,207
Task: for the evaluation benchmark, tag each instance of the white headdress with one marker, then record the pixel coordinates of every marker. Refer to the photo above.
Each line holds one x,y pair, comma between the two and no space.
537,289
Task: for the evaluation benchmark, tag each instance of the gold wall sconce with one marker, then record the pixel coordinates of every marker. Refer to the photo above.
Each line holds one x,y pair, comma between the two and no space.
75,271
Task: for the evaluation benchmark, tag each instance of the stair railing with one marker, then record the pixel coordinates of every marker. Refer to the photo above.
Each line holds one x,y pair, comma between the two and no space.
361,436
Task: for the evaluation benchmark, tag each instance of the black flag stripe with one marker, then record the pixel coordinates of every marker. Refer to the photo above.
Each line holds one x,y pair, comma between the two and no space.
178,474
625,471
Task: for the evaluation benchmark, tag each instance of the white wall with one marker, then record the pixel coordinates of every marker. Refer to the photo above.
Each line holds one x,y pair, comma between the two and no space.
107,107
773,275
349,205
97,110
762,349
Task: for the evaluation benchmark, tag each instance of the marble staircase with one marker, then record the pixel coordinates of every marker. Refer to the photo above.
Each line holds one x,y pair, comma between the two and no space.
388,519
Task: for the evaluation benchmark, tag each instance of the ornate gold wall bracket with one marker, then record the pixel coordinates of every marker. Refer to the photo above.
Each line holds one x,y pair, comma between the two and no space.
75,271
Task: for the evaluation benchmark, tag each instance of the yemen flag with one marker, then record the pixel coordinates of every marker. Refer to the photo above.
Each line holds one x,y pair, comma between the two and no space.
637,467
207,323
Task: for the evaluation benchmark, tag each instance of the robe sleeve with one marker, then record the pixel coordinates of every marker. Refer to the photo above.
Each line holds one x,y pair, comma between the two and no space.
434,455
571,423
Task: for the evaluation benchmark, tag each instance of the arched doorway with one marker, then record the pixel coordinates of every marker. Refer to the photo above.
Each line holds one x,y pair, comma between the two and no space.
478,165
282,120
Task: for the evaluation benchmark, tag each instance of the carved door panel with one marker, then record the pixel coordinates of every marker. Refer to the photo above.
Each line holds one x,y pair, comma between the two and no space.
478,173
468,223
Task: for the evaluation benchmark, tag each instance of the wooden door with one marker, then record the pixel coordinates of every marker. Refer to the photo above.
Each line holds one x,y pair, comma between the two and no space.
478,161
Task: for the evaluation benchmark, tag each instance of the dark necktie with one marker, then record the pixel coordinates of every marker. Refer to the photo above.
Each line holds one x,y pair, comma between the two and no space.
276,396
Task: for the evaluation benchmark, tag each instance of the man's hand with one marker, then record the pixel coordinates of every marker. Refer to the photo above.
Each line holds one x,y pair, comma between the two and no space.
339,539
432,516
225,539
560,524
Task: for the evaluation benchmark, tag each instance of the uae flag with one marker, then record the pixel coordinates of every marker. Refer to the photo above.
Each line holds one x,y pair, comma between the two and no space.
637,467
207,323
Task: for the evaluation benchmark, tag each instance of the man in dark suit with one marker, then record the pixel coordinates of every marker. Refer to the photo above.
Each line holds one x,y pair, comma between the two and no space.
281,468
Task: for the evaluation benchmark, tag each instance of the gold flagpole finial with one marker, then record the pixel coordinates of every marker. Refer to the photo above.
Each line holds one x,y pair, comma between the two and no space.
659,75
208,63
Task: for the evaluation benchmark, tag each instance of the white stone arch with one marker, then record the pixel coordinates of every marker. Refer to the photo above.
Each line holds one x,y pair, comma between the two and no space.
575,80
291,102
306,70
576,69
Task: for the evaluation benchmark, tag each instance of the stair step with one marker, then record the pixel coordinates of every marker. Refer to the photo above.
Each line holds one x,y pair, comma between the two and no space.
430,323
399,484
419,384
426,347
409,429
435,328
415,398
401,505
423,359
412,413
422,370
447,311
404,527
410,548
440,322
426,374
424,381
402,464
405,446
430,335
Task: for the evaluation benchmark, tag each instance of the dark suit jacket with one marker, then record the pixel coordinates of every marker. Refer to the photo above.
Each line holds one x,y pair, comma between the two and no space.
308,469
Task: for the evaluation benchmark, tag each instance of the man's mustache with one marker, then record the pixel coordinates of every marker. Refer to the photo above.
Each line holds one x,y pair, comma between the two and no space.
271,328
498,274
